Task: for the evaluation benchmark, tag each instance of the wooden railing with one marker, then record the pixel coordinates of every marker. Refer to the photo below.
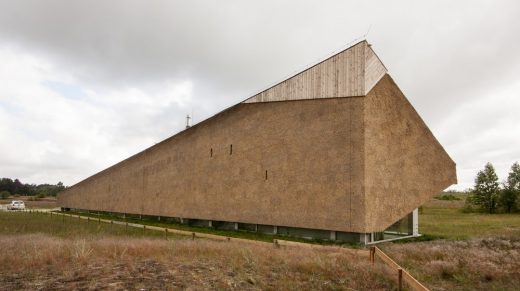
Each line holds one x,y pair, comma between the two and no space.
402,275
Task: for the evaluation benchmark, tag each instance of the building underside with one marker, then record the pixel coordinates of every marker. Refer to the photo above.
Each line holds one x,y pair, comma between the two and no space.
406,227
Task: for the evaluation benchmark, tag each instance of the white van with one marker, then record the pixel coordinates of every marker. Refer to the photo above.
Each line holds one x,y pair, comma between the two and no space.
16,205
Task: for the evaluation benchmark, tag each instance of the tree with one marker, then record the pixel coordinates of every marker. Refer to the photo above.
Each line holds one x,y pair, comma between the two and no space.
486,189
17,186
509,196
4,194
513,179
6,184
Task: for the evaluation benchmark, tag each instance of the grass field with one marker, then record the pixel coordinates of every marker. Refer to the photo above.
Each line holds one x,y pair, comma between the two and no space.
475,264
453,223
467,251
48,253
17,223
459,251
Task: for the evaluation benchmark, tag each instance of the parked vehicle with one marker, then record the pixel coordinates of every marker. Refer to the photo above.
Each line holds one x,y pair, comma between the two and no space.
16,205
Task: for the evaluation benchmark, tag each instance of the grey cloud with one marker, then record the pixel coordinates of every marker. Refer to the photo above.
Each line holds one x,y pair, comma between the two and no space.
443,54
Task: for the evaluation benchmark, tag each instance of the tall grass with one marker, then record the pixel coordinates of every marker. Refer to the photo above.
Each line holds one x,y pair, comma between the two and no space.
131,263
479,264
43,252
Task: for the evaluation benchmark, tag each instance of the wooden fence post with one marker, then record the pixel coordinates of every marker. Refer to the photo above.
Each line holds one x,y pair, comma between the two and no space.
400,278
192,235
372,254
166,233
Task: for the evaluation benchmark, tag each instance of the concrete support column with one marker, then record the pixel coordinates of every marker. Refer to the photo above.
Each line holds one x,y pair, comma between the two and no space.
210,223
415,221
275,229
364,237
236,225
332,235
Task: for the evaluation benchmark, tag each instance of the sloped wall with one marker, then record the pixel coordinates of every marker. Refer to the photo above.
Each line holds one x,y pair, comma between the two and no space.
312,151
405,165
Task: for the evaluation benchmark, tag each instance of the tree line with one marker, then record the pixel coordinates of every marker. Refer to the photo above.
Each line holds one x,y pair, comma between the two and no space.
14,187
491,196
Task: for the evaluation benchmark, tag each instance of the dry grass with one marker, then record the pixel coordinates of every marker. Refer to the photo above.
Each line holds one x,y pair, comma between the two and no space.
40,261
475,264
50,253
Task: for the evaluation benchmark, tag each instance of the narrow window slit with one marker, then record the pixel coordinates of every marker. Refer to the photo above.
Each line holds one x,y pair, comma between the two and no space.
230,149
266,174
211,153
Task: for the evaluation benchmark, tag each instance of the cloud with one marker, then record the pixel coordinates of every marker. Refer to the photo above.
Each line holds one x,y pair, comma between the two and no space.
48,136
484,130
88,83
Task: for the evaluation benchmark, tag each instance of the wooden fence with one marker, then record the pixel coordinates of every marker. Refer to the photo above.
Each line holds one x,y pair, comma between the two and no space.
402,275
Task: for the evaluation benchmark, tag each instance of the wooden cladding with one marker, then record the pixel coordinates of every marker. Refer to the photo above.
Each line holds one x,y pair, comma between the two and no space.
352,72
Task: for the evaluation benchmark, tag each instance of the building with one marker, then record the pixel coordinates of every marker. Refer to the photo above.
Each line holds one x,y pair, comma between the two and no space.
334,152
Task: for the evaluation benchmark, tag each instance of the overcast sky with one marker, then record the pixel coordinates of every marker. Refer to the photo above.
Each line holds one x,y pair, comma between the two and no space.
85,84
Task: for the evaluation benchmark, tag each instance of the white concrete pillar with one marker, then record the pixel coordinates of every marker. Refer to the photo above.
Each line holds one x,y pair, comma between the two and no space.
415,219
364,238
332,235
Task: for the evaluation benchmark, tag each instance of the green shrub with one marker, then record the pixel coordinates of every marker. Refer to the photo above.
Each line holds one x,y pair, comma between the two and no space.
449,197
5,194
508,199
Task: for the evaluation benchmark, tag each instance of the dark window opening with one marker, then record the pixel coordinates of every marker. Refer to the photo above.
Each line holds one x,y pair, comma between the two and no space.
266,174
211,153
230,149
